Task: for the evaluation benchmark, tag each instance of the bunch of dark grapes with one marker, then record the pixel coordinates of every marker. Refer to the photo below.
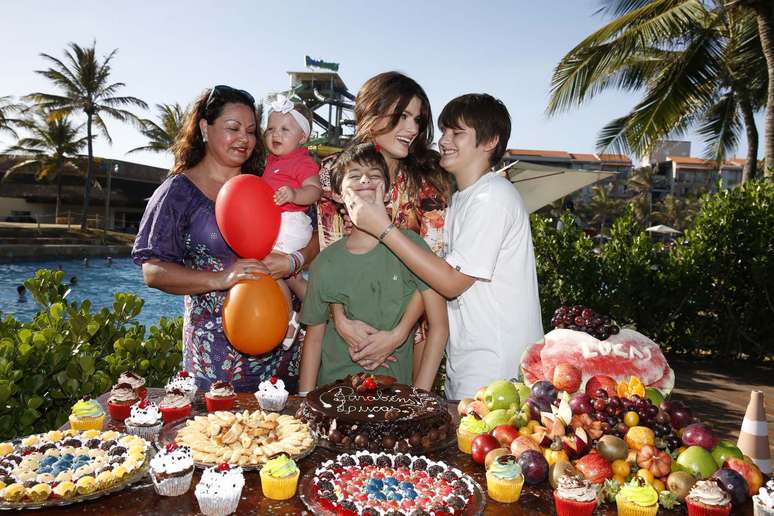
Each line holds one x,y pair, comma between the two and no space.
583,318
611,412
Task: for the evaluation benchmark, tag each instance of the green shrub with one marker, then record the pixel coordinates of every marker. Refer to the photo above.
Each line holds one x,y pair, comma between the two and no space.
712,292
67,351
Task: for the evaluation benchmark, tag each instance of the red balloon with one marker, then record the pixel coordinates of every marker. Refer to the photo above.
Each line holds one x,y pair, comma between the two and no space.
247,216
255,315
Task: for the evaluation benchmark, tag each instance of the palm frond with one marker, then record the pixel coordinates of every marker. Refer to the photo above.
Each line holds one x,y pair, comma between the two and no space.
721,128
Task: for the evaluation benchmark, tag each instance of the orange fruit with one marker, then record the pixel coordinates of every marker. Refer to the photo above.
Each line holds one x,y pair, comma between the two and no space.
621,468
631,419
658,485
638,436
618,478
630,388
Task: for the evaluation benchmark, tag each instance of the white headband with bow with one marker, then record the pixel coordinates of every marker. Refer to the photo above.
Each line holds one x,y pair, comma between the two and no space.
282,104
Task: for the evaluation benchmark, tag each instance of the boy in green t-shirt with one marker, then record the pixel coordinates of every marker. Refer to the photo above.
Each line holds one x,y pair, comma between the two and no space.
371,284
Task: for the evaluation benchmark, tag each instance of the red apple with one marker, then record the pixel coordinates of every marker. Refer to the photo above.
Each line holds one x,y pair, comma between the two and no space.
483,444
576,444
595,468
749,472
505,434
567,377
601,382
522,444
699,434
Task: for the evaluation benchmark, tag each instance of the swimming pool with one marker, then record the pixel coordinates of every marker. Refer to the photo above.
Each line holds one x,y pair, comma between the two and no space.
97,282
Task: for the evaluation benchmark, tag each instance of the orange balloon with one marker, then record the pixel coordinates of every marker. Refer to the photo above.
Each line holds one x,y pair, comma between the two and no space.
255,315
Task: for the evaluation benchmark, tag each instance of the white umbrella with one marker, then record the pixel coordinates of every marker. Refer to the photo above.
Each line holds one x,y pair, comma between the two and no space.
661,228
540,185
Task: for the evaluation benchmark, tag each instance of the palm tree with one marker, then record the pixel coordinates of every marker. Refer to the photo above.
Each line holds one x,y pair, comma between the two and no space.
641,185
676,212
7,109
84,80
603,206
53,146
162,136
697,62
764,13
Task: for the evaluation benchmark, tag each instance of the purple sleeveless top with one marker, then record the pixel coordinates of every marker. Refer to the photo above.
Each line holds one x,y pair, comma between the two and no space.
179,226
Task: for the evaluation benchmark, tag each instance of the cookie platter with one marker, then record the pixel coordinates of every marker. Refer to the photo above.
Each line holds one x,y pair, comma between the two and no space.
246,439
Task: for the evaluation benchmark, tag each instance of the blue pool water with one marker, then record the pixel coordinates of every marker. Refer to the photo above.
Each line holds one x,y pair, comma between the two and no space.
97,282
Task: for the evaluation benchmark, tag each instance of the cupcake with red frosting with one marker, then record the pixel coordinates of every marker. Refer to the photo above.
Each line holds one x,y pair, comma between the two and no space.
121,399
221,396
174,405
271,394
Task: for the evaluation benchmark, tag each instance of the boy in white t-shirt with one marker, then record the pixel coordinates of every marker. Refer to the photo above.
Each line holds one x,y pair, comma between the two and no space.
488,270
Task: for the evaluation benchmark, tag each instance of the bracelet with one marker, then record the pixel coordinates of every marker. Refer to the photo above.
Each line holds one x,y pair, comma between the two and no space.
292,264
299,256
386,231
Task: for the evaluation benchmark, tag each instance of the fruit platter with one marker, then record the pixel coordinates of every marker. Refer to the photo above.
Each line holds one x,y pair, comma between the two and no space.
585,344
608,438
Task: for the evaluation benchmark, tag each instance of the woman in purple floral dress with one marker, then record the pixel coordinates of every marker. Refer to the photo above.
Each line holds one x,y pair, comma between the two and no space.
182,251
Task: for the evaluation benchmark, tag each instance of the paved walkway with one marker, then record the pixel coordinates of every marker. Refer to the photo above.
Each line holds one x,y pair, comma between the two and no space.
718,392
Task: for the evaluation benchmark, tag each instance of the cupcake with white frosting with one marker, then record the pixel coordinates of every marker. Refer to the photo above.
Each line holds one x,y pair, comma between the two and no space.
184,382
221,396
171,470
219,490
144,420
763,502
272,394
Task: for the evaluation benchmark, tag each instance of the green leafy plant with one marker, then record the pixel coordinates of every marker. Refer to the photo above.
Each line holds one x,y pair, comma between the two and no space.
68,351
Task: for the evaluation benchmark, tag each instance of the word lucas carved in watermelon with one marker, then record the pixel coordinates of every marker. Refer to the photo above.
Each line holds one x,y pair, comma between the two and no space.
605,348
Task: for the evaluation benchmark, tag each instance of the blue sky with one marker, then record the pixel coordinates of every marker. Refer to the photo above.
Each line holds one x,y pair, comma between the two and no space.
170,51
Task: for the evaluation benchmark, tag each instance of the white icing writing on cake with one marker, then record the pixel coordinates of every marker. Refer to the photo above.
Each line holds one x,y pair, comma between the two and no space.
346,400
605,348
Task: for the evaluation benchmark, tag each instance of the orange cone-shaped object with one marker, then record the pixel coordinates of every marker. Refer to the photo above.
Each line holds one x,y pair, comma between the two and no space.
754,436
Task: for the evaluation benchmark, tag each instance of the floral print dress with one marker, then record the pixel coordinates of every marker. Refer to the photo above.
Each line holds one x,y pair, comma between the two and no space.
179,226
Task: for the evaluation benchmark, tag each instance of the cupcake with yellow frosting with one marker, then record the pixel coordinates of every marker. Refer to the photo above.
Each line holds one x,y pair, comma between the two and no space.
279,478
636,498
504,479
470,427
87,414
39,492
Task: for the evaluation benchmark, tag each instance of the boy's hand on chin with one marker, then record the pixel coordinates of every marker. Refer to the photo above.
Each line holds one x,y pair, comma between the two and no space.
369,216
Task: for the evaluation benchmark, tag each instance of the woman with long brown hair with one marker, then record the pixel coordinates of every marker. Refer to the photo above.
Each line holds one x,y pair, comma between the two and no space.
182,251
393,112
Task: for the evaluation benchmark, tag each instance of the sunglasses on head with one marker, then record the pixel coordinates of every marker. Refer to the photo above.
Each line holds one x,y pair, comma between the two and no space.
220,89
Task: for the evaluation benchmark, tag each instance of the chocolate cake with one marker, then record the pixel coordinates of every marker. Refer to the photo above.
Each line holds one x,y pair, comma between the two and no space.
375,413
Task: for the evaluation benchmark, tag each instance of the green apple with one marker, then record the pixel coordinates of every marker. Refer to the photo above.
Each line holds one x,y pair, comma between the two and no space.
697,461
501,394
725,450
497,417
524,392
654,395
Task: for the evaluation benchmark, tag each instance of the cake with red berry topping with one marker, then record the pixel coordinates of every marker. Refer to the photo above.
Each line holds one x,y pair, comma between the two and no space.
372,412
394,485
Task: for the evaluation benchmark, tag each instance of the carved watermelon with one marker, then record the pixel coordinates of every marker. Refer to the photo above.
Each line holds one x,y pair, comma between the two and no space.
629,353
